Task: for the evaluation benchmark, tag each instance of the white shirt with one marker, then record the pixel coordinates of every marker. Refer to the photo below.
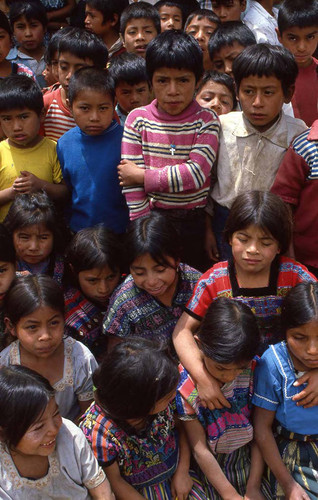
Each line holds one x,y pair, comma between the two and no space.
262,23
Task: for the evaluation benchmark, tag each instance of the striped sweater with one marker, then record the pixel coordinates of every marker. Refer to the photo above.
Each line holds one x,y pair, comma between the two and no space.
177,152
58,118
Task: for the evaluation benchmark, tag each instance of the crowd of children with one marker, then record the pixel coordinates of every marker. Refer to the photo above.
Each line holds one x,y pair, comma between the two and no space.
158,265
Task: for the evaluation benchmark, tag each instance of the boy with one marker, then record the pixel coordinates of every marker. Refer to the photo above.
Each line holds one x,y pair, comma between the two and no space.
298,32
254,141
29,22
102,18
261,18
77,48
139,24
228,10
28,161
171,15
90,152
170,145
132,88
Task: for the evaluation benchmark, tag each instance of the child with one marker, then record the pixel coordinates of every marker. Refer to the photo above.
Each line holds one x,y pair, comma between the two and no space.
201,24
94,261
171,15
298,32
34,314
221,440
228,10
28,161
102,17
28,20
77,48
169,146
254,141
258,230
50,73
7,275
261,18
41,454
139,24
90,152
216,91
151,299
285,431
132,89
131,426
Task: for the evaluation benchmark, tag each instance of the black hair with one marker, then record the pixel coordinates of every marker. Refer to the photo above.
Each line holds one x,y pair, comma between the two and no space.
4,23
167,3
154,234
36,208
53,45
84,45
174,49
28,293
140,10
297,13
264,59
108,8
265,210
133,377
18,92
30,10
229,332
228,33
224,2
128,68
7,251
90,78
221,78
25,395
203,14
300,306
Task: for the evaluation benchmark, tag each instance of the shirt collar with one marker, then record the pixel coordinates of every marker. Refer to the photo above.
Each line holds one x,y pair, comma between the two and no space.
276,133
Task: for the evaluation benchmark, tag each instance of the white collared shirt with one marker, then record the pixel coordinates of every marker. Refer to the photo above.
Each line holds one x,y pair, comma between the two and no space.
262,23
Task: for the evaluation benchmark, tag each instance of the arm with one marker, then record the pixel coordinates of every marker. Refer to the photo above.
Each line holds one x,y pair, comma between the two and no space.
181,483
29,183
63,12
7,195
309,396
253,487
210,241
102,492
122,490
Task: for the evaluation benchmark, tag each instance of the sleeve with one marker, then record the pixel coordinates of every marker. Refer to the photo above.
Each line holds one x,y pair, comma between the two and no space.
184,410
291,177
203,294
267,386
117,321
84,366
57,172
101,440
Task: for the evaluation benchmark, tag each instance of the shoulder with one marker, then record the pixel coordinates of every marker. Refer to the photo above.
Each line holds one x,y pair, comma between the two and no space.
294,126
49,97
189,274
80,353
293,271
231,120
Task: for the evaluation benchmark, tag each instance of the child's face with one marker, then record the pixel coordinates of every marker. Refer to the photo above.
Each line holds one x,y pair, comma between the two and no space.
5,44
174,89
302,343
21,126
93,111
202,30
98,284
40,438
7,275
51,73
67,65
158,280
29,34
137,35
130,97
33,244
261,99
224,373
170,18
215,96
253,250
223,59
302,43
94,21
229,10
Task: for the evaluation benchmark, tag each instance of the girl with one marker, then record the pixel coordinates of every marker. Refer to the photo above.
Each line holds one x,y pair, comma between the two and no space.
37,235
41,454
151,299
216,91
131,426
34,314
258,229
201,24
221,440
292,455
94,262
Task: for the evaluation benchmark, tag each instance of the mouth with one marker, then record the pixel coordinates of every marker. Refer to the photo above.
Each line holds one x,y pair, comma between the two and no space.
20,137
258,116
49,444
252,261
141,48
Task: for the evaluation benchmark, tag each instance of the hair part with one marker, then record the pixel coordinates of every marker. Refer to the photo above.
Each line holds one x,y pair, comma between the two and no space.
84,45
19,92
203,14
297,13
93,79
222,79
140,10
128,68
30,10
227,34
300,306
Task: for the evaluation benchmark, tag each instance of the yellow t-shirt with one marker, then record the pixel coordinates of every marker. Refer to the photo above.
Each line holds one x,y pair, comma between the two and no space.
41,160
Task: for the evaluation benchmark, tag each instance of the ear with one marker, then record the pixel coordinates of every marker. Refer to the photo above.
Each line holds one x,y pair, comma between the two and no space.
122,39
68,104
243,5
114,21
289,94
279,35
42,116
9,326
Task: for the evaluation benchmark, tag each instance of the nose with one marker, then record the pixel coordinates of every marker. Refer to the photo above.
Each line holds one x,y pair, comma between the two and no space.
216,104
200,35
94,116
252,247
301,45
134,97
228,67
172,90
44,334
312,348
17,125
86,22
27,31
152,279
102,287
54,426
258,101
222,12
33,243
140,35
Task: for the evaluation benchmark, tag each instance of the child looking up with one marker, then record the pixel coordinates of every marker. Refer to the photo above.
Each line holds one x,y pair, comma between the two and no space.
201,24
132,89
228,10
169,146
139,24
90,152
216,91
298,32
28,161
171,15
77,48
41,454
290,453
102,17
261,18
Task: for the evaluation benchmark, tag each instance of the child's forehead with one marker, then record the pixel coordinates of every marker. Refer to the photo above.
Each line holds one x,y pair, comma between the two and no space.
72,58
202,21
92,95
17,111
140,22
216,87
170,9
172,72
261,81
228,50
122,84
26,20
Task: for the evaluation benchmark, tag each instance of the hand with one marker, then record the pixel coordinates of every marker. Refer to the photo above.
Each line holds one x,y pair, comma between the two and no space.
210,245
210,393
27,183
296,492
253,494
129,174
309,396
181,485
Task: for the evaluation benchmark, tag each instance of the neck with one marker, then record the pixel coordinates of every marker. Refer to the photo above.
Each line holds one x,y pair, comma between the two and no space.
36,53
252,280
5,68
110,38
268,5
30,466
